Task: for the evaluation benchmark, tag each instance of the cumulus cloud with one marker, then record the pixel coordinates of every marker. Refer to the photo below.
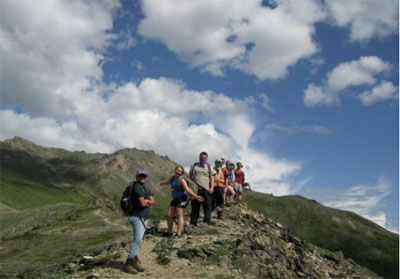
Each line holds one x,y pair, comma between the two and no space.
356,72
364,200
158,115
247,36
53,94
366,19
384,91
51,51
364,71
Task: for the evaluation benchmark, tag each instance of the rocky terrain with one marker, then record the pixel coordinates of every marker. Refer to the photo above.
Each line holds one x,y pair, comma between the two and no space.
244,244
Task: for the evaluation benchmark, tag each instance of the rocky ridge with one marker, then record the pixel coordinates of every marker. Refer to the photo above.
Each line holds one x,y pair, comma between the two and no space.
244,244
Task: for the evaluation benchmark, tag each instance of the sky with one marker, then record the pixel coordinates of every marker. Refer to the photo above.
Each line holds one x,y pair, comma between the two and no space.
303,93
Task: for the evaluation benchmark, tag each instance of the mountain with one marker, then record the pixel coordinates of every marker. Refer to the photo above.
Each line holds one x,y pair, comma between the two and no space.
56,204
365,242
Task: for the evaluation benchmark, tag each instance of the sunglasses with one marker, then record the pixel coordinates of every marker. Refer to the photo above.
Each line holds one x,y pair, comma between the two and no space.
142,176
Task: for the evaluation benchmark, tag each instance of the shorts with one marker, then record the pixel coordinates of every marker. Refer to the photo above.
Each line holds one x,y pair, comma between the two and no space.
238,188
181,202
219,195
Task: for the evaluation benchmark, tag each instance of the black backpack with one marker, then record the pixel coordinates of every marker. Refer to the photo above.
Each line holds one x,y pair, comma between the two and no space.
126,201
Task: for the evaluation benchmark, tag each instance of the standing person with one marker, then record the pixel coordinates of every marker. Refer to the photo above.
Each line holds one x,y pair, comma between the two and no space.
142,199
203,175
229,182
239,180
179,201
219,187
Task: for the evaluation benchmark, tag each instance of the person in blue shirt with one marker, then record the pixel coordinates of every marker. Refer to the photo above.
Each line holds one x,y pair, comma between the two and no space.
180,190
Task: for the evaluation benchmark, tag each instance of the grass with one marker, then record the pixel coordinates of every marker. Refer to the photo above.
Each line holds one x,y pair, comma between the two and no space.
20,193
61,239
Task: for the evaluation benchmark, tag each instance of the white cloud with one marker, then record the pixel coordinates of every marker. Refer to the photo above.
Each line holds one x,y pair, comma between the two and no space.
258,40
269,175
318,95
364,200
52,73
51,51
366,19
364,71
384,91
300,129
138,65
124,41
356,72
266,102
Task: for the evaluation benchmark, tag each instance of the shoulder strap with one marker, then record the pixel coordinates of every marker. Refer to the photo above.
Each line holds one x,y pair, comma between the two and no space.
131,188
208,167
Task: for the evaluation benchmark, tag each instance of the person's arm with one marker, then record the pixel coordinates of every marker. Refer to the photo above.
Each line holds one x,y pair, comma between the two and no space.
189,191
143,202
226,184
211,190
150,201
166,182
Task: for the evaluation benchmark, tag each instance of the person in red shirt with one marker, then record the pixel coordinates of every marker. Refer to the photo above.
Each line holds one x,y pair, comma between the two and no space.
239,180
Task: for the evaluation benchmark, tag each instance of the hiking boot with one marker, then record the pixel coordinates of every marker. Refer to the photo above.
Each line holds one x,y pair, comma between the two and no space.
136,264
129,267
167,234
219,215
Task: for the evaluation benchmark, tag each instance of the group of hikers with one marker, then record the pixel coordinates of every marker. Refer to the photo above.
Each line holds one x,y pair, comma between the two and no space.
217,187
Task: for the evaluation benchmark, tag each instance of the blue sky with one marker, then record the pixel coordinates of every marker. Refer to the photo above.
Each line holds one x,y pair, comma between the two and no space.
304,93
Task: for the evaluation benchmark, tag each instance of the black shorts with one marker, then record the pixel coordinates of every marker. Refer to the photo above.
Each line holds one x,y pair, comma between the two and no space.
181,202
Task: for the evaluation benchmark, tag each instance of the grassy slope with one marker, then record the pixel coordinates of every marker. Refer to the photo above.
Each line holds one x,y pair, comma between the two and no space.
358,238
43,197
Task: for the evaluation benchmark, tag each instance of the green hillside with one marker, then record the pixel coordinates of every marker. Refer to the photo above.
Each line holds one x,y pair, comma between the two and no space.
358,238
56,204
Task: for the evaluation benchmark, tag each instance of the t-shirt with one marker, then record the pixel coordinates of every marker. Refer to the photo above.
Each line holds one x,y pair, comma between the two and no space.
201,176
140,190
231,177
239,176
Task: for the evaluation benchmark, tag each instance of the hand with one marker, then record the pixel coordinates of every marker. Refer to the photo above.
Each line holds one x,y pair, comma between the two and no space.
211,190
200,198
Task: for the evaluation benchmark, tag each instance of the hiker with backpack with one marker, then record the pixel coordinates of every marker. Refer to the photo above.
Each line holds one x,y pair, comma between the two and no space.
203,175
229,181
180,189
239,180
219,187
135,203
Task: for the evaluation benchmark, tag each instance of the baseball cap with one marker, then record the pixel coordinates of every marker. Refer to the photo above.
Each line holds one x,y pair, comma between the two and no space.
141,171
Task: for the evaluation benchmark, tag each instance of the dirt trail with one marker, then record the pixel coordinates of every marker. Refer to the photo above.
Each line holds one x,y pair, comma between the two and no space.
178,267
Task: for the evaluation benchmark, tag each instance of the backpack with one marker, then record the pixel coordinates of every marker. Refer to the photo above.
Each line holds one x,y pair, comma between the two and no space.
192,185
126,201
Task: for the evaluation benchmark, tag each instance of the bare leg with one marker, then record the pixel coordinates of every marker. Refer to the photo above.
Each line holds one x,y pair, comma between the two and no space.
181,220
170,218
